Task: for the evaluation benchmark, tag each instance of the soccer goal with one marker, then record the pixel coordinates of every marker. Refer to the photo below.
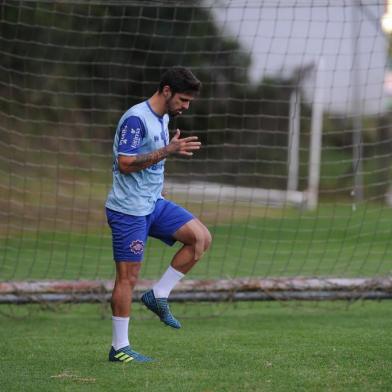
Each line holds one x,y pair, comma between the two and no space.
294,177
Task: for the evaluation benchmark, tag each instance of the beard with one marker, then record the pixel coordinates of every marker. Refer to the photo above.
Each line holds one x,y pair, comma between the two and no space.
173,113
170,111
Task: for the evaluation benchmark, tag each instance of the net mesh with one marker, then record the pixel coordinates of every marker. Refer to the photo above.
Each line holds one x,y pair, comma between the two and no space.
70,69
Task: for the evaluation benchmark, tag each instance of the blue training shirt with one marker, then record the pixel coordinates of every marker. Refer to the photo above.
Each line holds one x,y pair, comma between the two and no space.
139,131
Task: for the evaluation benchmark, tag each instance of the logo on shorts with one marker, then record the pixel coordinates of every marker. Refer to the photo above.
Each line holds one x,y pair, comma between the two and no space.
137,247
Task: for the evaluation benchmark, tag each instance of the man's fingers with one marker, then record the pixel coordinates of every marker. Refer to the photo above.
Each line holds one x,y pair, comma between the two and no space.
190,139
188,147
192,144
177,134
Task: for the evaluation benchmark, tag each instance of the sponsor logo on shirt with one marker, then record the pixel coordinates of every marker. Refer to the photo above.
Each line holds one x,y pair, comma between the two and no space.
123,136
164,136
136,137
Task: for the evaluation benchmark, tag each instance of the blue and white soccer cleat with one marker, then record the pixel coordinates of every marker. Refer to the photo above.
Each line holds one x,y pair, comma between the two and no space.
161,308
126,354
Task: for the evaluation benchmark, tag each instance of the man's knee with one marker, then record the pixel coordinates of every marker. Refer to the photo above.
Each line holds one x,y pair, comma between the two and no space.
126,281
194,234
132,280
207,239
202,242
127,274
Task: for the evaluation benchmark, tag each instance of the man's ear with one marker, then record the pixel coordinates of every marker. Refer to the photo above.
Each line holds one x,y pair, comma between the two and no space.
167,92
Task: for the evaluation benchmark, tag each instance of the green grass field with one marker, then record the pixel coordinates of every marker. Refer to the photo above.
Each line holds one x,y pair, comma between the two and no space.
243,347
333,241
249,347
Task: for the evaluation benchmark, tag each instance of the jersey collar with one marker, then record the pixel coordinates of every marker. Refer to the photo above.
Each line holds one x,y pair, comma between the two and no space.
160,118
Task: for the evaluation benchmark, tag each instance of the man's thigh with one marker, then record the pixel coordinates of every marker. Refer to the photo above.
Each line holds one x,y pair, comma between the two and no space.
194,229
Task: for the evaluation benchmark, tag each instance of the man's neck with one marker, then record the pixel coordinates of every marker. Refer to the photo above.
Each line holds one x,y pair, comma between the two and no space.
158,104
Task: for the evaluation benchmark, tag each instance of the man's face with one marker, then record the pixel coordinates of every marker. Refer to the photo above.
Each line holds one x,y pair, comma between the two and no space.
177,103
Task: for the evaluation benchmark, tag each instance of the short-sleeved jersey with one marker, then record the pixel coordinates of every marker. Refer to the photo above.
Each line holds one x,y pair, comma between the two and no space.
139,131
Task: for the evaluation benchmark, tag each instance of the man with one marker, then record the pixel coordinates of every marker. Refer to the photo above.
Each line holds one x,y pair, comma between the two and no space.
136,209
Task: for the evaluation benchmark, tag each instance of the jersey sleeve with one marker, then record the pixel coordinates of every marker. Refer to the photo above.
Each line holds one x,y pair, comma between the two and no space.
132,132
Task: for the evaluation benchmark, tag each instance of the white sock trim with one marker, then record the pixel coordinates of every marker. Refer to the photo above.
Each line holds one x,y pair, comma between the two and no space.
180,274
118,318
120,332
167,282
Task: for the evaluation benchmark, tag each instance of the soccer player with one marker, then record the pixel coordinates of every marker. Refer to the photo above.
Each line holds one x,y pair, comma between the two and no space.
136,209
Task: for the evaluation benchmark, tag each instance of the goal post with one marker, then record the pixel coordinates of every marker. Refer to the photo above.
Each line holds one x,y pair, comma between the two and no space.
286,85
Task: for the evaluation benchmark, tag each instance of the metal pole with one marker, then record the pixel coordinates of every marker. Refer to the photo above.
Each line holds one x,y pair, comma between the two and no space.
316,138
294,126
356,101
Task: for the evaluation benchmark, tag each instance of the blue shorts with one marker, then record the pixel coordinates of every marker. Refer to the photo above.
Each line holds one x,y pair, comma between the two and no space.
130,232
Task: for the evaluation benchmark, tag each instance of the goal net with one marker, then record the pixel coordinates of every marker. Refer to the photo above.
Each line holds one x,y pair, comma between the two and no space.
293,179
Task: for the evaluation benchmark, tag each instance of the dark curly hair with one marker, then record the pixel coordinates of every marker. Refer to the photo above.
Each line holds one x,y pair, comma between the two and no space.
180,80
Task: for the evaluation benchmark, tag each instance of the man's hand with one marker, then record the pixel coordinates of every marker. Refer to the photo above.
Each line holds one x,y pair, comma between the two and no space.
131,164
183,146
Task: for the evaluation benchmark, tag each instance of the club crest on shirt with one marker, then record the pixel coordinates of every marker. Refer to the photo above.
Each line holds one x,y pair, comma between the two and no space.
137,247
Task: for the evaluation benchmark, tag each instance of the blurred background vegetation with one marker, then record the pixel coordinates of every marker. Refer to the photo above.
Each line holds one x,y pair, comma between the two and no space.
72,69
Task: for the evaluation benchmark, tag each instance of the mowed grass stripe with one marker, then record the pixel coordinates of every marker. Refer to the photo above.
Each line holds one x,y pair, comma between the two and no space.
333,241
249,347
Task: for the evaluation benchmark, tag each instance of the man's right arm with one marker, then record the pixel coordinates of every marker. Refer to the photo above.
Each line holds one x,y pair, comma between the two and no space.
135,163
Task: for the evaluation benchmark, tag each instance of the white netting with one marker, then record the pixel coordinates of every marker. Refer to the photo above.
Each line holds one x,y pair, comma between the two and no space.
274,73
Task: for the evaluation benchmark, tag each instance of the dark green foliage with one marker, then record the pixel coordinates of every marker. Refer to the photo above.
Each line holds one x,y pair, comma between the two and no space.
75,67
